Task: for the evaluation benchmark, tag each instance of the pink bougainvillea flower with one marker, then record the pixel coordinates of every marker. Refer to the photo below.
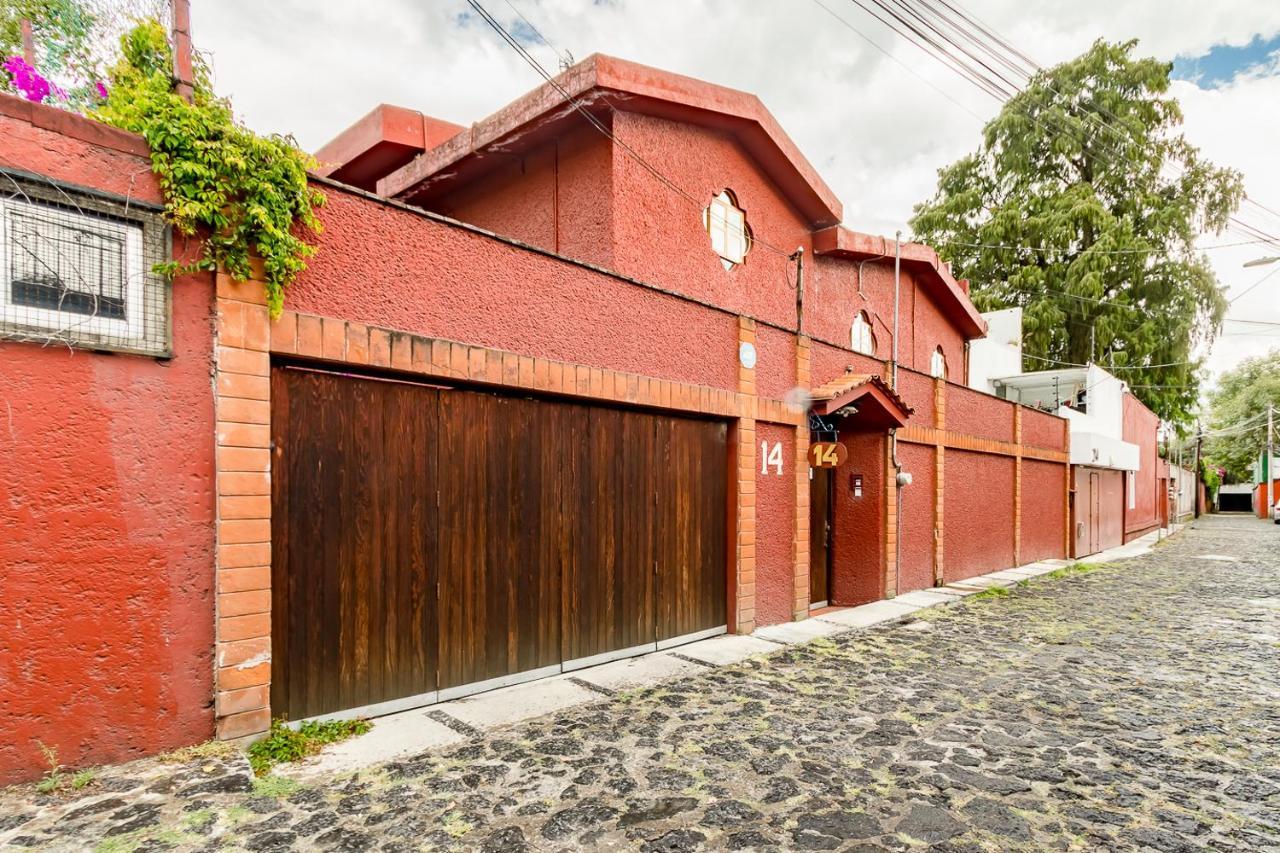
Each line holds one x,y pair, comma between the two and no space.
100,89
26,80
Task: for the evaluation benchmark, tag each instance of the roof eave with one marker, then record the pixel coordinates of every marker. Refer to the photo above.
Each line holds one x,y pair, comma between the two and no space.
630,87
841,242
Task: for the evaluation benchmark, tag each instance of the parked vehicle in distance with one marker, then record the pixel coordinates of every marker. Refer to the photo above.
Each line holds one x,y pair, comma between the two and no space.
1275,513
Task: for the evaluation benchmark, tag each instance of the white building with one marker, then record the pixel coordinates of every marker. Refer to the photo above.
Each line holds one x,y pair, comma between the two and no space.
1090,398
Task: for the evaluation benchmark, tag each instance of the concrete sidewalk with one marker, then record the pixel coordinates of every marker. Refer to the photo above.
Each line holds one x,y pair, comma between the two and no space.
448,723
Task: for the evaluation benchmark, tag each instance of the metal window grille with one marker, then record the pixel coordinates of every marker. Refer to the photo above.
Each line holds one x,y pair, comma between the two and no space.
77,269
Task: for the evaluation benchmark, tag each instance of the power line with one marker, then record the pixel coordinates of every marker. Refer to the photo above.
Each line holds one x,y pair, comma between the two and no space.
1048,251
1234,223
897,61
1235,298
1109,367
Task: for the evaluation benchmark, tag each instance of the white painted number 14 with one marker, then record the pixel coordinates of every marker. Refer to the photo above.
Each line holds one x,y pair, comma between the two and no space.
771,456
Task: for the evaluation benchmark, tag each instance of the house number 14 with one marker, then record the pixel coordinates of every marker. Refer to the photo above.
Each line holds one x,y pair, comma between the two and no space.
771,456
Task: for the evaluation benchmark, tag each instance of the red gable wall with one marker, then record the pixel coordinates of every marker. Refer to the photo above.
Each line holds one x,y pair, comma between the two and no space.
584,197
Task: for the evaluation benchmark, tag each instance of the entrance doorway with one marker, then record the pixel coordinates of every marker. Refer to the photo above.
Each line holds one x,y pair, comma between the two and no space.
820,487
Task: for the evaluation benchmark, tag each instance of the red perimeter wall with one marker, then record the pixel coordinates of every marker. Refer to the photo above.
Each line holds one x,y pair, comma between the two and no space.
977,520
106,508
1140,427
1260,498
1044,495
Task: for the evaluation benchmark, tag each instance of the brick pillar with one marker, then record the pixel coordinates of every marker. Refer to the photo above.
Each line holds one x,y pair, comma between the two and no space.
1017,486
242,401
939,478
744,604
803,380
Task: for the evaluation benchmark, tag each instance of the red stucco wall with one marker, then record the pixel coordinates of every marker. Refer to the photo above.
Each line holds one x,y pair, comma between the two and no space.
387,266
1041,429
553,197
775,528
917,520
1140,427
977,514
916,390
1260,498
857,534
1043,510
106,508
974,413
550,197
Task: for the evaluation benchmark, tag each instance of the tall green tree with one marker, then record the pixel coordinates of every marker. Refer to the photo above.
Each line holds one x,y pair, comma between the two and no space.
1085,177
1239,404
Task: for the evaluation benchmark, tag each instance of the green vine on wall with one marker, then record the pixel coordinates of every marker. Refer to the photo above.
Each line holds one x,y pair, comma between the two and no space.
245,195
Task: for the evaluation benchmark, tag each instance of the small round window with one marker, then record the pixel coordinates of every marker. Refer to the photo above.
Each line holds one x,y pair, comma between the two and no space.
726,224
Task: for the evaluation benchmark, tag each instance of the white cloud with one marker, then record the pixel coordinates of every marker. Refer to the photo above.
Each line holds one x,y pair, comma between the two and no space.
874,129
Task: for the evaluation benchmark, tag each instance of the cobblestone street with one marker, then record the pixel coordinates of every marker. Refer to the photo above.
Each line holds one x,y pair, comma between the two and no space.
1135,706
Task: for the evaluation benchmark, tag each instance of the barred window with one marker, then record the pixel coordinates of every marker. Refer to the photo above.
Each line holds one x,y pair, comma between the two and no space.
77,270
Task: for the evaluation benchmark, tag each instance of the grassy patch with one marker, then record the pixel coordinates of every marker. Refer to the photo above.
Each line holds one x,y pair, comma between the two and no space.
989,592
274,786
1073,569
198,752
56,780
284,744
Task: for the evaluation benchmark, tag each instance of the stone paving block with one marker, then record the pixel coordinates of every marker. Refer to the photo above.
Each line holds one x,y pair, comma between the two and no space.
638,672
519,702
924,598
730,648
988,581
394,736
1004,575
799,632
866,615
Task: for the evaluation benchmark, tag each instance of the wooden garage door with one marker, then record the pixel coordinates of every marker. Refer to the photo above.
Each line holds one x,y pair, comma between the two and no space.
430,539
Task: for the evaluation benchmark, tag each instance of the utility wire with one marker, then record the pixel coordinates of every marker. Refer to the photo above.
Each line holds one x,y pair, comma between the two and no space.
1238,296
1048,251
906,31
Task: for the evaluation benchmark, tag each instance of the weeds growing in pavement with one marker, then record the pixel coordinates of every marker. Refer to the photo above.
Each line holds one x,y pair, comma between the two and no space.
55,780
284,744
1073,569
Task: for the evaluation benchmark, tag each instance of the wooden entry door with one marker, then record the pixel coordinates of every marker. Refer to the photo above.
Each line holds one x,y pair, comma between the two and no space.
433,541
820,486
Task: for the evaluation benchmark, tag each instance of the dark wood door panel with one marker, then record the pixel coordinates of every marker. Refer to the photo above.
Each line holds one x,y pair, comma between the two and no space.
820,485
354,541
691,464
609,494
500,566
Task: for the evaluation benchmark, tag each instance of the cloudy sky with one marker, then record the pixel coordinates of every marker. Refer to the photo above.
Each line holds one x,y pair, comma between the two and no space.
877,121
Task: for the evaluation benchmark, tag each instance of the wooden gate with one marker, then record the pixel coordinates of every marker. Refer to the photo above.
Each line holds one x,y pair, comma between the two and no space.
432,542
